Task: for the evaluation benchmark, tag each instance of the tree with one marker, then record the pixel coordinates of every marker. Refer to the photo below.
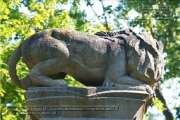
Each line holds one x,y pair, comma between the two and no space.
158,17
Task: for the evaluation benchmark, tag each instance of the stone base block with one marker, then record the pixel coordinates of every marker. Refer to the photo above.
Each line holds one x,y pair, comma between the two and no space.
86,103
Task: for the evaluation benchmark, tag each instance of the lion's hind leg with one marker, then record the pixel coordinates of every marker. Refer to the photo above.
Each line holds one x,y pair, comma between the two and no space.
40,73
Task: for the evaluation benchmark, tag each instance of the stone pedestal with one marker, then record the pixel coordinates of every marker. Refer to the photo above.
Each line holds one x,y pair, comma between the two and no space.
86,103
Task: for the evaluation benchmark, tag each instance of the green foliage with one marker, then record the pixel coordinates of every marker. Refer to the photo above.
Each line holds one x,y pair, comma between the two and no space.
72,82
9,93
158,104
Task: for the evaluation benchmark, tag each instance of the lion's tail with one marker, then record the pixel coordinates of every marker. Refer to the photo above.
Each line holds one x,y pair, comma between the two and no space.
15,57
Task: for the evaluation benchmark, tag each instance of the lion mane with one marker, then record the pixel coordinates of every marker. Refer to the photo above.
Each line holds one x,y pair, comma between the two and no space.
144,60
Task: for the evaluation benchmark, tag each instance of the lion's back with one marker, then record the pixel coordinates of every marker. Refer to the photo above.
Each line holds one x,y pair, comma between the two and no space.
41,46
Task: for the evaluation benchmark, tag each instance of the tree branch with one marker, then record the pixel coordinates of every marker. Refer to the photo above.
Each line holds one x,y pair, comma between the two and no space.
104,13
96,14
167,113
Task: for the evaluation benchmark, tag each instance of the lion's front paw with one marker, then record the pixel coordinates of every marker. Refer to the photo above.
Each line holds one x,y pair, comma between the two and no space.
59,83
108,83
149,90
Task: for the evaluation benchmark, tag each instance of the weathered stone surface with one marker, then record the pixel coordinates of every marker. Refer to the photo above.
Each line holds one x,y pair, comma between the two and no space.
105,59
88,103
125,63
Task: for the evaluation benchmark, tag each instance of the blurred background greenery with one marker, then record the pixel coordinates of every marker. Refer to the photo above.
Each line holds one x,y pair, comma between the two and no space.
22,18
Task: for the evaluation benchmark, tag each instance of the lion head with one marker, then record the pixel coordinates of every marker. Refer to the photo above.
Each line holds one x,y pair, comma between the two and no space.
144,54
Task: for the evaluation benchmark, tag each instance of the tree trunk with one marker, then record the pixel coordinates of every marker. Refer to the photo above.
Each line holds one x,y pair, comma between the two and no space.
167,113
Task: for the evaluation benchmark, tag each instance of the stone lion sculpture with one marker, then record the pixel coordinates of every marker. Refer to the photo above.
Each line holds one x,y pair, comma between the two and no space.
106,58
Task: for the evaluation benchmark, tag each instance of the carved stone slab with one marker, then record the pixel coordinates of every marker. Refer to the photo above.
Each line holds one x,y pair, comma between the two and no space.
86,103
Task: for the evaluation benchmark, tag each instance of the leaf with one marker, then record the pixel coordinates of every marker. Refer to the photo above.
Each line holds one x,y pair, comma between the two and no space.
6,11
2,92
5,17
72,82
10,117
158,104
